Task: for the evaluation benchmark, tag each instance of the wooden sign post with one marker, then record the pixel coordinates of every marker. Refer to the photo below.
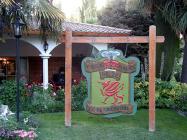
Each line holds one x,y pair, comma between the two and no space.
152,39
68,76
152,69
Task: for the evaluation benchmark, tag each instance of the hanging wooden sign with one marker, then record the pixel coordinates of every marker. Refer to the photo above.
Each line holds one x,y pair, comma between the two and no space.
110,83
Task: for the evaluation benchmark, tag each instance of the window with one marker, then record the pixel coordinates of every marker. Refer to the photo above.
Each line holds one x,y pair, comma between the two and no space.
7,68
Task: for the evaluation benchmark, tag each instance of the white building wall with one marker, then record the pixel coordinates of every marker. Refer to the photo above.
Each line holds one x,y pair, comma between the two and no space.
100,46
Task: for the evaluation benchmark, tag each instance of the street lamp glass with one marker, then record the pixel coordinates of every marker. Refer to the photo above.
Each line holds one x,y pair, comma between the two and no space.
17,27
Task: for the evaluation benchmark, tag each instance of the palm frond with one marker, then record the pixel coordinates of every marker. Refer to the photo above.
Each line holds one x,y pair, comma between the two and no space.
43,9
182,23
170,12
48,17
38,14
7,2
176,14
174,11
146,4
151,5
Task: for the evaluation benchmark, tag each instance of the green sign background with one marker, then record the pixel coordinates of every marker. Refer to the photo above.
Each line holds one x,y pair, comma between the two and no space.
96,96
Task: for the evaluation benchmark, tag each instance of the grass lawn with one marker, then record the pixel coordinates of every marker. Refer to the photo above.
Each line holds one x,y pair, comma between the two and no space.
169,126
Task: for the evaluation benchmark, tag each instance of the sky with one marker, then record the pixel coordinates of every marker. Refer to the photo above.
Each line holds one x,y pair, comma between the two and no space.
71,7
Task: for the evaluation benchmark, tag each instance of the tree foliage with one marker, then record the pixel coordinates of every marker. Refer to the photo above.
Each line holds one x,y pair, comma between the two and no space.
88,12
34,13
175,13
116,15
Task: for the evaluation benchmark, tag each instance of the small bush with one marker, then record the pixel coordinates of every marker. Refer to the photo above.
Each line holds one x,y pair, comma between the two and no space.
8,93
181,102
6,134
12,130
168,94
141,93
79,93
40,100
59,104
60,95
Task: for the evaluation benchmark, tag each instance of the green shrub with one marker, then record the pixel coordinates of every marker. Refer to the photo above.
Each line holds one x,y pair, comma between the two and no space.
9,127
10,124
181,102
8,93
40,99
59,104
168,94
60,95
79,93
141,93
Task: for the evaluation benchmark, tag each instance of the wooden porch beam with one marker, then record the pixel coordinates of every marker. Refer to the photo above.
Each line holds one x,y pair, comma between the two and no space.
68,76
125,39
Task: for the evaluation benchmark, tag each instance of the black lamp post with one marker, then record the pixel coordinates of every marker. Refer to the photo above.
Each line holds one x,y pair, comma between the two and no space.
17,27
1,24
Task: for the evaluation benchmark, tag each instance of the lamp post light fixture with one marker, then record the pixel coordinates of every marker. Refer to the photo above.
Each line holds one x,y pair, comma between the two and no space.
45,46
17,28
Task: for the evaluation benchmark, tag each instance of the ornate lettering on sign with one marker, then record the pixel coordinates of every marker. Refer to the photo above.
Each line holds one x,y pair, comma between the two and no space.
111,64
125,108
93,66
110,74
110,83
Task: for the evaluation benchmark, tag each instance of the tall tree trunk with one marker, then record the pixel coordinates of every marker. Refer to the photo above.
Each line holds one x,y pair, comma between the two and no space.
184,65
170,51
169,47
159,49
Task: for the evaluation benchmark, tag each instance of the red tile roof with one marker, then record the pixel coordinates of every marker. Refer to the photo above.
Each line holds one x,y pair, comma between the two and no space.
84,27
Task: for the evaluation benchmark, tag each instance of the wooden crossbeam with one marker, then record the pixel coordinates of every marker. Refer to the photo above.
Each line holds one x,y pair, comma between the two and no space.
124,39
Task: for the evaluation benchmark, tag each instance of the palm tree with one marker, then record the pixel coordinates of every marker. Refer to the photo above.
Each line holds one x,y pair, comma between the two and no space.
40,12
174,13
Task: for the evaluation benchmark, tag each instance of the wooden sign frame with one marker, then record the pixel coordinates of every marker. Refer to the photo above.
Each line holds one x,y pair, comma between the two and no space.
152,39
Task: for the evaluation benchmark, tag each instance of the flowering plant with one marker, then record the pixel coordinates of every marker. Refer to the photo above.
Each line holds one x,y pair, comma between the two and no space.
33,87
24,130
30,135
